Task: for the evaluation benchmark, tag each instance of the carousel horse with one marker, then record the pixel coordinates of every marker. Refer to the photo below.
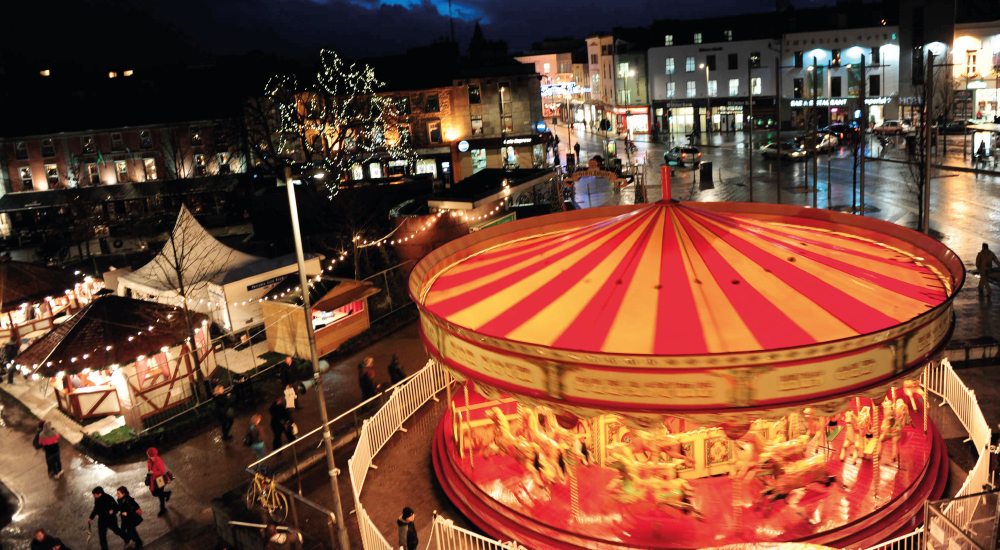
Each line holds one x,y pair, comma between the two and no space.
853,437
896,417
548,446
653,444
913,388
527,453
815,426
571,442
635,484
789,476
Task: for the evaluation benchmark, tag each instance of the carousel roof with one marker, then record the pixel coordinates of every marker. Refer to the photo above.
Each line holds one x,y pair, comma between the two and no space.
110,330
687,279
22,282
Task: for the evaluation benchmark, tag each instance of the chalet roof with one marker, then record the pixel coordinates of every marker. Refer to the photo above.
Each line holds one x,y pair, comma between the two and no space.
22,282
325,293
108,331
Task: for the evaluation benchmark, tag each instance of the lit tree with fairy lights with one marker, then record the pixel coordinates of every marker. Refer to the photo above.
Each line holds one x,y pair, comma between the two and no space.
337,124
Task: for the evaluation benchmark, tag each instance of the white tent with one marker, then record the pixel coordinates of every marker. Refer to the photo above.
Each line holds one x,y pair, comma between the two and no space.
199,258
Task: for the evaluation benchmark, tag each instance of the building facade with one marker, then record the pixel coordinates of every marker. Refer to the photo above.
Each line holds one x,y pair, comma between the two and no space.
976,71
631,103
601,62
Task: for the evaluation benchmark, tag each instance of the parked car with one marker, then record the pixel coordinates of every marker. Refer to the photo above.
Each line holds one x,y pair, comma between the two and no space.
789,151
682,155
843,132
894,127
955,127
824,142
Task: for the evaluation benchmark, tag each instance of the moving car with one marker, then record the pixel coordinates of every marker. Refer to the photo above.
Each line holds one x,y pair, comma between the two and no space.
824,142
894,127
955,127
789,151
842,131
682,155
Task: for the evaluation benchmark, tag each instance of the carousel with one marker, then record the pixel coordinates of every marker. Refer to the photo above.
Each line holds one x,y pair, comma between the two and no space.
689,375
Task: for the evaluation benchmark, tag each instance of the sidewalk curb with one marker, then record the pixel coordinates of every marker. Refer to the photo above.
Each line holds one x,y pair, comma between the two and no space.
941,167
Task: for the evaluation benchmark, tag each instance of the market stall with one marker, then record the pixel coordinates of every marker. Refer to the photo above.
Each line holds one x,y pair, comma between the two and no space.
122,356
33,298
339,312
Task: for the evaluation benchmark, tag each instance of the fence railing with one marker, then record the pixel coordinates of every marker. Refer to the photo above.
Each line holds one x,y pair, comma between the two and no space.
446,536
909,541
405,400
943,382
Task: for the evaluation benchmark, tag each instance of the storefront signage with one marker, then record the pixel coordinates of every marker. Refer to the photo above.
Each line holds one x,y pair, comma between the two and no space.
818,102
516,141
715,49
877,100
976,85
567,88
463,146
269,282
631,110
541,126
911,101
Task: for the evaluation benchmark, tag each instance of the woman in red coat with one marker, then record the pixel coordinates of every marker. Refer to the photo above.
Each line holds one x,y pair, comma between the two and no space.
156,469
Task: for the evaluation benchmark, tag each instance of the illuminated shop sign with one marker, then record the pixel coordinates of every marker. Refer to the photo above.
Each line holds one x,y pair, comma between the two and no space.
563,89
818,103
516,141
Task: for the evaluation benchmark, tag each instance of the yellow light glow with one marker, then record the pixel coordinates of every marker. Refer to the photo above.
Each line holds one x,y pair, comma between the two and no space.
112,74
46,72
451,135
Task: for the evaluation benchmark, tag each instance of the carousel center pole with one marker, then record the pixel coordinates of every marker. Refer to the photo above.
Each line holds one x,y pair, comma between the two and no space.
925,377
665,181
877,451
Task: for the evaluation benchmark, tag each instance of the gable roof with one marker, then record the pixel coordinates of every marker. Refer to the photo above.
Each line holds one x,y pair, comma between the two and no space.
22,282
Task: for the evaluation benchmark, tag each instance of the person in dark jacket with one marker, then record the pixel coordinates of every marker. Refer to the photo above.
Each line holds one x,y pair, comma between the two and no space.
407,530
287,371
131,516
396,373
106,512
224,411
42,541
281,423
255,440
49,441
366,379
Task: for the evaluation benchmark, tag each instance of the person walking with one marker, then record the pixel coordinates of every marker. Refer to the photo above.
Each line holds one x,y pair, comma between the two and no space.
396,372
42,541
407,530
158,479
984,261
131,516
254,438
981,155
48,440
576,149
106,512
224,410
281,423
287,371
366,379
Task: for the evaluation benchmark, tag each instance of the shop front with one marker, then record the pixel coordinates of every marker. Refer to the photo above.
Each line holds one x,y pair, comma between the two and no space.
840,110
984,101
475,155
632,120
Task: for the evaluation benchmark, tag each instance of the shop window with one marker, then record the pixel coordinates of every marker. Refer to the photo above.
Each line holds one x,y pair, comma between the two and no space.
432,104
88,145
21,150
734,61
508,123
692,89
434,131
697,38
117,142
798,60
52,174
670,65
375,169
671,90
195,135
835,90
755,83
200,169
477,125
710,62
505,93
121,169
734,86
668,40
478,160
622,70
970,65
689,64
357,172
797,88
728,35
93,174
510,158
145,139
427,166
593,59
713,88
546,68
27,183
149,166
874,85
835,58
48,148
754,60
152,370
875,56
475,94
223,160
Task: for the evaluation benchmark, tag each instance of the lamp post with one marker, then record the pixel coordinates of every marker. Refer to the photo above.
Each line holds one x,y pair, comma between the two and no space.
708,100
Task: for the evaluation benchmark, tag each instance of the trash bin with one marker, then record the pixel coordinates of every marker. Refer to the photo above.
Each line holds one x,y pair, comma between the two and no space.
911,144
706,171
243,390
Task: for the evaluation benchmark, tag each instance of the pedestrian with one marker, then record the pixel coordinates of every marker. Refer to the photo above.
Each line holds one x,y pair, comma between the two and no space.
366,379
158,478
281,423
131,516
48,439
407,530
285,539
254,438
984,261
576,149
42,541
287,371
981,154
290,398
224,410
396,372
106,512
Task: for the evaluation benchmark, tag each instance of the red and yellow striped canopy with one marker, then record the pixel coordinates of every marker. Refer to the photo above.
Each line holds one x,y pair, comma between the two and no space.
677,279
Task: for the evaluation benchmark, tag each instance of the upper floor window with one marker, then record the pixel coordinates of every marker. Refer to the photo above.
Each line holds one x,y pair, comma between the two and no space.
593,59
434,131
546,68
93,174
734,86
403,106
671,90
835,86
874,85
798,60
875,56
508,123
728,35
149,166
117,143
121,169
755,86
477,125
710,62
668,40
754,60
432,104
52,175
713,88
734,61
475,94
88,144
692,89
223,160
145,139
21,150
689,64
670,65
797,88
48,148
697,38
835,58
622,70
971,58
604,50
200,168
27,182
196,135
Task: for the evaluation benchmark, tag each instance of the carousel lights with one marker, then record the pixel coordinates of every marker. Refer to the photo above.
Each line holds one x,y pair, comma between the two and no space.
107,348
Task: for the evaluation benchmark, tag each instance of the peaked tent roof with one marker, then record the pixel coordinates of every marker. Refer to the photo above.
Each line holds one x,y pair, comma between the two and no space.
201,256
121,324
22,282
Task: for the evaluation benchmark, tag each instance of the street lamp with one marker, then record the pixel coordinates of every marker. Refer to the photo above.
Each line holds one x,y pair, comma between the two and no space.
708,99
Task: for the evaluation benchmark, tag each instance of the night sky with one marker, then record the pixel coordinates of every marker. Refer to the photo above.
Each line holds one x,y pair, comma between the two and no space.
99,32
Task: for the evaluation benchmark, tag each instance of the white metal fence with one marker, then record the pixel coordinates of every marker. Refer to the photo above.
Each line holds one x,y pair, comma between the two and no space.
446,536
943,382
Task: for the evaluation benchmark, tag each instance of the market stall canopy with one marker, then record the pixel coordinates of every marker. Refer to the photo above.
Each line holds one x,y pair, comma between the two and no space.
200,256
325,293
21,282
109,331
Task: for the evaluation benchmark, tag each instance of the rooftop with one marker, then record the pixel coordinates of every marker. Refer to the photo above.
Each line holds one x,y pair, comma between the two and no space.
486,185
